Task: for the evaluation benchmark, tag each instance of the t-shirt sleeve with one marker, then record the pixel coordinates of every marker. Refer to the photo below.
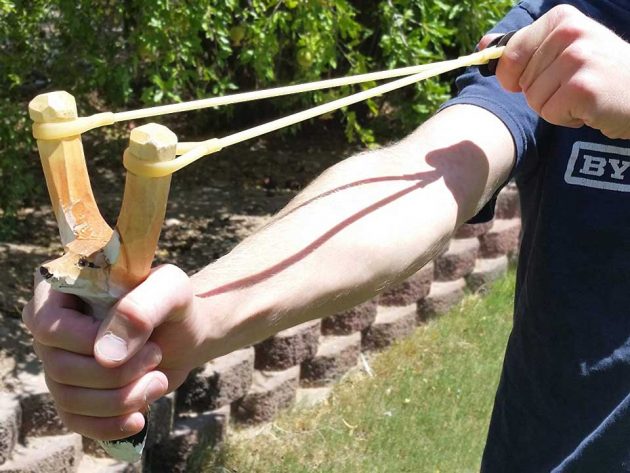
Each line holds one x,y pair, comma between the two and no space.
510,108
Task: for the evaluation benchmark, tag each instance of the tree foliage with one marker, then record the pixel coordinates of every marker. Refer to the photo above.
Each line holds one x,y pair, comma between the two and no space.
115,54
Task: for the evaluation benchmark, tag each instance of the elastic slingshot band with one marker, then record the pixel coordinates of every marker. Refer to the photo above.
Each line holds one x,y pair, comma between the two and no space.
191,152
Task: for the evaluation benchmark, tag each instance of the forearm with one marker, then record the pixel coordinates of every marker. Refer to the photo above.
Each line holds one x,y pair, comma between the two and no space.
368,222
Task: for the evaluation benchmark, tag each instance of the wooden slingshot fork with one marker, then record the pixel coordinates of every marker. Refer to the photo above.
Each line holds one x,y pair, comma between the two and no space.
101,264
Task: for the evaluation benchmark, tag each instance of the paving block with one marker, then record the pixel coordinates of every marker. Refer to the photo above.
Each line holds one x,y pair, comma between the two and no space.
443,296
161,419
350,321
508,203
270,392
39,415
10,420
192,434
217,383
288,348
486,271
51,454
391,324
411,290
473,230
335,356
502,239
458,261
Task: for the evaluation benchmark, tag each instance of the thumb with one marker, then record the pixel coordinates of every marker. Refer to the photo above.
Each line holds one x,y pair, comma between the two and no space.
485,41
163,296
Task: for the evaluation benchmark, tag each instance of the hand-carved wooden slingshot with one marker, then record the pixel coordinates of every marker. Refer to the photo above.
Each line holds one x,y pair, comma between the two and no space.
102,264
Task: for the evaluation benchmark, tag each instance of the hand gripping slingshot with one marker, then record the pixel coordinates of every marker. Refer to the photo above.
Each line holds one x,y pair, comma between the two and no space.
101,264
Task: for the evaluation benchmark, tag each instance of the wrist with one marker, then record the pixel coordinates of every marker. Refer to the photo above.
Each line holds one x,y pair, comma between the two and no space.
228,320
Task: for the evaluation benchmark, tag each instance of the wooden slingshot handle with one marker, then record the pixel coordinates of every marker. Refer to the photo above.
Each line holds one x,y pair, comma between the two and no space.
101,264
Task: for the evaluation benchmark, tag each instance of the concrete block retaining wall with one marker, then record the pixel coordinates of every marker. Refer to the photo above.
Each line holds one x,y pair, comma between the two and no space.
253,384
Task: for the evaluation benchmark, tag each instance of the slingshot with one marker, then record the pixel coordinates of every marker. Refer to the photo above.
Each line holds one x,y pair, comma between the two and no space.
101,264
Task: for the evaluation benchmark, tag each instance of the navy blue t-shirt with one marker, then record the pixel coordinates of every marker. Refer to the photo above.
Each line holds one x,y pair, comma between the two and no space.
563,402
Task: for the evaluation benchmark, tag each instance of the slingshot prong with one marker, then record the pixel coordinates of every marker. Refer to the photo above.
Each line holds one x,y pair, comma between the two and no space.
53,107
144,205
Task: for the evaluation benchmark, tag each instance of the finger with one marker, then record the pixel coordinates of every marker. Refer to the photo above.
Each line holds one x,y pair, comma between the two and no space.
487,39
514,59
549,51
520,49
543,88
52,320
549,82
62,328
175,377
72,369
555,110
165,295
44,294
134,397
103,428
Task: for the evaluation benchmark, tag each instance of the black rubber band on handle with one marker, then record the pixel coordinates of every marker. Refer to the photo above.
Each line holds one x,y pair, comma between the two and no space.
490,69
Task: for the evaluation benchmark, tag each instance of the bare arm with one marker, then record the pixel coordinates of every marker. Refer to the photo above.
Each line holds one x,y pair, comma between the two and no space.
367,222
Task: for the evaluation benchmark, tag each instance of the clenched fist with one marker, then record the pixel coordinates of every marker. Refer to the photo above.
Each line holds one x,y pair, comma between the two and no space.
572,70
102,375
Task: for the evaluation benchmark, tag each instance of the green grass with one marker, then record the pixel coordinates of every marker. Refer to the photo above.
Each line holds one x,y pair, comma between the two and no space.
425,410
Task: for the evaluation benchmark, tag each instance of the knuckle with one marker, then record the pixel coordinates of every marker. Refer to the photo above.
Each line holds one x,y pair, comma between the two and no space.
510,68
535,104
576,54
564,12
41,328
513,60
54,370
171,270
549,115
178,279
570,31
583,88
136,315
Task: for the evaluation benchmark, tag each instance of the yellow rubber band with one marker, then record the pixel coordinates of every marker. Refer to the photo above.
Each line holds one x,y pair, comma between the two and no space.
194,151
191,152
60,130
165,168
